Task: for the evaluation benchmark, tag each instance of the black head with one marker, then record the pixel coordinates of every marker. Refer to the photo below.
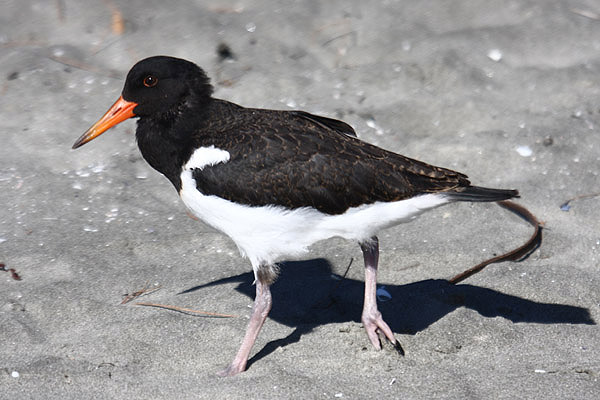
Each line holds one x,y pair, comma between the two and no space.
159,84
159,87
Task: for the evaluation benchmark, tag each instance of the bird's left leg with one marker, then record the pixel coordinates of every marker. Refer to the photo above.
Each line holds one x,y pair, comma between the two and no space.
371,317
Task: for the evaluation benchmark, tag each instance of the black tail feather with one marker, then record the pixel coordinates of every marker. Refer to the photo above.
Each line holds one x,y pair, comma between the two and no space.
477,193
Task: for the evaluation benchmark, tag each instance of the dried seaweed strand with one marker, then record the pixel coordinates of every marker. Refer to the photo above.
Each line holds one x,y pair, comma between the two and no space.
13,272
518,254
142,292
185,310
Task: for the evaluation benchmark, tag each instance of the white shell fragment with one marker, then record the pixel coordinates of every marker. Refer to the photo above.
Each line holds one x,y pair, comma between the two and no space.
494,55
383,294
524,151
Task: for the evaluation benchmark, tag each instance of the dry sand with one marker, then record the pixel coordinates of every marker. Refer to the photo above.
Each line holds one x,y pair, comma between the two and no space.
505,91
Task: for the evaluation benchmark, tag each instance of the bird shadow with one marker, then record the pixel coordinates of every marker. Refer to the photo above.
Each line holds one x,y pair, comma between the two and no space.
308,294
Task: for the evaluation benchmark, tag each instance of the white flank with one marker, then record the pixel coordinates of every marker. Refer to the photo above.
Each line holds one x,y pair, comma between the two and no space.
206,157
268,234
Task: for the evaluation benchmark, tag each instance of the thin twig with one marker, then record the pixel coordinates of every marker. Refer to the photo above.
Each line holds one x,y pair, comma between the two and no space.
586,13
142,292
185,310
518,254
352,34
345,273
60,10
22,43
566,206
117,22
84,67
330,294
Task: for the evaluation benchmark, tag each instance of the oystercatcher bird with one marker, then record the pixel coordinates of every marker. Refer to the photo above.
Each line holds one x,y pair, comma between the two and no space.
276,182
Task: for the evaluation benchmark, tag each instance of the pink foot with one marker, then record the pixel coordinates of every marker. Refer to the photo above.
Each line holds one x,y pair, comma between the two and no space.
232,369
374,323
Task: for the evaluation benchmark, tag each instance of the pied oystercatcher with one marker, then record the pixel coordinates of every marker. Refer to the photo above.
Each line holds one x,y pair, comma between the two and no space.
275,181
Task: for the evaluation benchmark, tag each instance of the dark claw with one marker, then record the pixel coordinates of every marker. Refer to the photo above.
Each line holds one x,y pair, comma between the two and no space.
384,340
398,348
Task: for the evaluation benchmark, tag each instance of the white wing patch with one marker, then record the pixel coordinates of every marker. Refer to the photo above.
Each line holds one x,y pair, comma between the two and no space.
206,157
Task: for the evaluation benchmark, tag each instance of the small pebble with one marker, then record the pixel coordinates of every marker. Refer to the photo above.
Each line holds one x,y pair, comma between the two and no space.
224,52
15,374
524,151
58,52
565,207
372,124
494,55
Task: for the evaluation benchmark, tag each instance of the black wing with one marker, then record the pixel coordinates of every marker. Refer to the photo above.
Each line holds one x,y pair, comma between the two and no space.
295,159
327,123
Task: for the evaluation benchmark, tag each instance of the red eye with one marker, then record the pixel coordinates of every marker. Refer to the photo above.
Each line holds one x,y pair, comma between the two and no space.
150,81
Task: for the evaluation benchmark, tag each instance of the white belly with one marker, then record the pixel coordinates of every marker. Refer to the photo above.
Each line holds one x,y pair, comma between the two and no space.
268,234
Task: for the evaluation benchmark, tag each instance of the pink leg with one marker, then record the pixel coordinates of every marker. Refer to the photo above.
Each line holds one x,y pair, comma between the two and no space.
371,317
260,310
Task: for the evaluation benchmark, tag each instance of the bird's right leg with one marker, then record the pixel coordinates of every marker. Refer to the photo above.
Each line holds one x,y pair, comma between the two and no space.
371,317
260,310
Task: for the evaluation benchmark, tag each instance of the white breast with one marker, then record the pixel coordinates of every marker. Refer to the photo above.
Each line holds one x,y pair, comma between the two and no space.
268,234
206,157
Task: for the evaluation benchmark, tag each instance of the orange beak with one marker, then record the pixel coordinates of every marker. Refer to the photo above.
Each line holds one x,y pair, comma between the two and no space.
118,112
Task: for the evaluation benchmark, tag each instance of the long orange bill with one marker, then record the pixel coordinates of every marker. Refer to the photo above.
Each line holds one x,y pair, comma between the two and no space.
118,112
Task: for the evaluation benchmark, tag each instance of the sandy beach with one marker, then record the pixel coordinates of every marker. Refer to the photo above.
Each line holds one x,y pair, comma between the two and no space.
507,92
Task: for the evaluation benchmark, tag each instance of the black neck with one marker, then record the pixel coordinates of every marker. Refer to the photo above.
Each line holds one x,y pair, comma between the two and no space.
165,140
